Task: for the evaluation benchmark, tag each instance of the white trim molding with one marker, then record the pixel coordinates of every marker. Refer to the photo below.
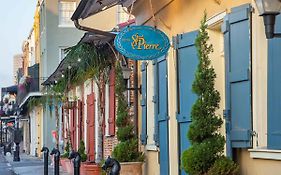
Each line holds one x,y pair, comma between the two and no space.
265,154
215,20
151,147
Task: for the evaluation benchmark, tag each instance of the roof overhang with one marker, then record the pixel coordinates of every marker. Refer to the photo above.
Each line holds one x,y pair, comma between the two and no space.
30,95
91,38
8,119
88,8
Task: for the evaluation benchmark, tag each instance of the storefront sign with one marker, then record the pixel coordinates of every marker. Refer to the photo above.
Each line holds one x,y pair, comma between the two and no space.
142,43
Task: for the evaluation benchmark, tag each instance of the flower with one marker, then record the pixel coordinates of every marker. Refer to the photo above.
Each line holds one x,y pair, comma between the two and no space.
24,83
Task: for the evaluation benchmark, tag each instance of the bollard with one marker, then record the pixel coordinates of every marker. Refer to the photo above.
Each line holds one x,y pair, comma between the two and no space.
45,157
111,165
56,154
77,161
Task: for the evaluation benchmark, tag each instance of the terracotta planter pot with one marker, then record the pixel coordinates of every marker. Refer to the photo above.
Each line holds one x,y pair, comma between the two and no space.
131,168
67,165
89,169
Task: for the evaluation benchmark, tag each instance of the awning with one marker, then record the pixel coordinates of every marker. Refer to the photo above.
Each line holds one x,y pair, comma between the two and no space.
10,89
91,38
96,39
88,8
30,95
8,119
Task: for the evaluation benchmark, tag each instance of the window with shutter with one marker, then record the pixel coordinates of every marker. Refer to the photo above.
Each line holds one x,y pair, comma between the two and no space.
274,93
73,128
80,119
187,61
144,104
91,127
237,43
112,108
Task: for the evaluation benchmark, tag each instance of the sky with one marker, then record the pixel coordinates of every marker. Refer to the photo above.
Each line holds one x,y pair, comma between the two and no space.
16,23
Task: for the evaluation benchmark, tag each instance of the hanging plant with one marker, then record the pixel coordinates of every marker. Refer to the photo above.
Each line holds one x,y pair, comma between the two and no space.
91,64
25,84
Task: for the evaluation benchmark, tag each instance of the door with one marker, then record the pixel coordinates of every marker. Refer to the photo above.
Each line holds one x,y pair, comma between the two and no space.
111,119
80,121
39,114
161,113
73,128
91,127
187,62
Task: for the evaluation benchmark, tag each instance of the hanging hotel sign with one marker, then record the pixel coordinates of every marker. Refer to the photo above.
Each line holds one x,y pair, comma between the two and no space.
142,43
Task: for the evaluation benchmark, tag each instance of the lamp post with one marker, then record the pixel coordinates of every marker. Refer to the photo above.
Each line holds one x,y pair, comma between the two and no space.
269,9
17,138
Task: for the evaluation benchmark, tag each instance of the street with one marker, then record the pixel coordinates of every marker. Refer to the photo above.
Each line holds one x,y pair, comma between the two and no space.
28,165
5,166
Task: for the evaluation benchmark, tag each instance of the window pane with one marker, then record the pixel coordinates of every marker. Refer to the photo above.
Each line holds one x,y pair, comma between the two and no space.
66,9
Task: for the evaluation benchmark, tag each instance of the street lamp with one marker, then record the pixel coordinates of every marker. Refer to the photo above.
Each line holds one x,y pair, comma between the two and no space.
268,9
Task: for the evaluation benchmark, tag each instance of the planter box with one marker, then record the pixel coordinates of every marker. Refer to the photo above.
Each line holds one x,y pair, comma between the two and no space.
131,168
66,165
89,169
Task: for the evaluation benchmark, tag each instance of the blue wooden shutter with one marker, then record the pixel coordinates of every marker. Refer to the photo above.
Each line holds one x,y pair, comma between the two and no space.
187,62
274,92
155,101
237,35
226,113
144,104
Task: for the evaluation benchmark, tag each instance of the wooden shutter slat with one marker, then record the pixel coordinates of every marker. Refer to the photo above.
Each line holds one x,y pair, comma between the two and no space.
111,119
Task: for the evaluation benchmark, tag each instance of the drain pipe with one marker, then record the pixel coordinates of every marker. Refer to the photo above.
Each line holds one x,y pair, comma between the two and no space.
88,29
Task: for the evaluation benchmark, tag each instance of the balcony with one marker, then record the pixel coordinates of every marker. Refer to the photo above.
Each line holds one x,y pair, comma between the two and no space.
28,84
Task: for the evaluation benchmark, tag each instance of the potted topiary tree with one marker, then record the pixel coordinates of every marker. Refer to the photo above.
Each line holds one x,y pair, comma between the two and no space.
126,151
87,168
205,156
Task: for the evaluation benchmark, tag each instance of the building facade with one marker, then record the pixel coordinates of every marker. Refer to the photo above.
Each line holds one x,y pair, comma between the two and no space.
244,79
57,32
17,64
247,79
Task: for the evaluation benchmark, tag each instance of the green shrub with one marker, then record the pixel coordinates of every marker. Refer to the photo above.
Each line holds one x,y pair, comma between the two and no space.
127,149
81,151
224,166
66,150
207,144
199,157
125,133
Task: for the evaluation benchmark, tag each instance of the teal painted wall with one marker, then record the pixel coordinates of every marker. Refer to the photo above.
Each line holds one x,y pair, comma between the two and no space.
52,38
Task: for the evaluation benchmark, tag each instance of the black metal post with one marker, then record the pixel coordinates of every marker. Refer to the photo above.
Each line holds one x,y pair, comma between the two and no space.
1,134
45,157
6,134
77,161
56,154
17,139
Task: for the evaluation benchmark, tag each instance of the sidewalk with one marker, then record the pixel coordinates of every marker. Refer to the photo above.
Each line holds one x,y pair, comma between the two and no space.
30,165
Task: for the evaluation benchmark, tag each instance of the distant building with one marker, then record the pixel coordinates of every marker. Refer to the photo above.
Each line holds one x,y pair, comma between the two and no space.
17,64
